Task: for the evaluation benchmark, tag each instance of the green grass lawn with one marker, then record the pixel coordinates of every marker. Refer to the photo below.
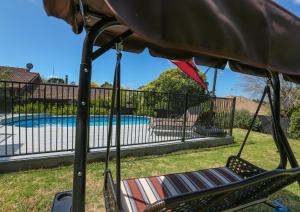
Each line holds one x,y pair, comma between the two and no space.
34,190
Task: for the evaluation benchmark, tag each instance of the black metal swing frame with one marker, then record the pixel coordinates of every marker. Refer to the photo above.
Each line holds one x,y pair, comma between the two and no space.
257,185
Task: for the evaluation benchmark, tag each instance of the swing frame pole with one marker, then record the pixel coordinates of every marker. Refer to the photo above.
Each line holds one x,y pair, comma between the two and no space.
119,48
279,136
276,114
82,118
83,115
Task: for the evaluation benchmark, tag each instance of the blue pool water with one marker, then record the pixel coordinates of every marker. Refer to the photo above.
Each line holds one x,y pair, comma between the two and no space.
71,121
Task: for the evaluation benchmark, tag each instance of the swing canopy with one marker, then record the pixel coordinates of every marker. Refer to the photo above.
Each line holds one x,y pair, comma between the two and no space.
251,36
255,37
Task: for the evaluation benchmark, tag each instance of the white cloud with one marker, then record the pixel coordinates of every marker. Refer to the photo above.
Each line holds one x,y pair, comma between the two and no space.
296,1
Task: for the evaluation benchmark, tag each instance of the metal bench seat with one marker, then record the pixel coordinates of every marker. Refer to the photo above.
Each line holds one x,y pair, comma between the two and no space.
238,185
137,194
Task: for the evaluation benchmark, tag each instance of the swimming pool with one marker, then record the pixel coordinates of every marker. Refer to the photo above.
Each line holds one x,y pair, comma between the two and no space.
69,121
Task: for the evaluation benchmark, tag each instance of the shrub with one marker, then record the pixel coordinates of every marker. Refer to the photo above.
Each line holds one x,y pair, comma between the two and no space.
294,128
145,112
98,110
56,109
243,119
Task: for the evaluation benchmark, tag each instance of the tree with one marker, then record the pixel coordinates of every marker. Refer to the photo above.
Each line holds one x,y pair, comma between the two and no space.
290,97
164,96
174,81
289,92
44,79
294,128
253,85
243,119
106,85
94,84
4,76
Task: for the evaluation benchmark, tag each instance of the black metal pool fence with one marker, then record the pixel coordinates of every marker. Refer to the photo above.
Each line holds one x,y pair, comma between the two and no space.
40,118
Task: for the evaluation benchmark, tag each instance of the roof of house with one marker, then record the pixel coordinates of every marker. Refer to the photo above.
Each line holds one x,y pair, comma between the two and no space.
19,74
64,92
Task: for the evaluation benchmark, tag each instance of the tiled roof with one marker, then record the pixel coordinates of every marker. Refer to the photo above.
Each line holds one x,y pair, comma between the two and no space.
19,74
20,78
64,92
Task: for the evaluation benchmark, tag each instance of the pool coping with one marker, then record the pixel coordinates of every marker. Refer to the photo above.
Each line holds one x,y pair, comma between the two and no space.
51,160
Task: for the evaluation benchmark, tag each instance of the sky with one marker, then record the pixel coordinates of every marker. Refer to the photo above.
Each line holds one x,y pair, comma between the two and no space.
27,34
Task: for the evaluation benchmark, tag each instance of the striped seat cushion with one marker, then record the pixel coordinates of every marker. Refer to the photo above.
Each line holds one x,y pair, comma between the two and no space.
138,193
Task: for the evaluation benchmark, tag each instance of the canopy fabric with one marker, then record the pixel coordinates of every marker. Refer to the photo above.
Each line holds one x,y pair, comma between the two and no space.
253,36
190,69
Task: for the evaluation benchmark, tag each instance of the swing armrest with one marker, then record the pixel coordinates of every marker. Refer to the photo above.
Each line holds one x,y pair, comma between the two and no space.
242,167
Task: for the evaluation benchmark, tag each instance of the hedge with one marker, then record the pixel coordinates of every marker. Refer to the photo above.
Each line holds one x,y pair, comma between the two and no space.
294,129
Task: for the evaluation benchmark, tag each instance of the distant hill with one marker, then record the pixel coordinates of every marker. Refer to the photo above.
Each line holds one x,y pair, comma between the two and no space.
250,105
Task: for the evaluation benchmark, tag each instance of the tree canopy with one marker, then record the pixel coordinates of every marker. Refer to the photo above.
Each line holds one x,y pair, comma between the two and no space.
289,92
94,84
174,81
106,85
294,128
4,75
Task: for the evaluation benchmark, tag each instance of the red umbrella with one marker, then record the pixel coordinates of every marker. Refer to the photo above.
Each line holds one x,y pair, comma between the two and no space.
189,68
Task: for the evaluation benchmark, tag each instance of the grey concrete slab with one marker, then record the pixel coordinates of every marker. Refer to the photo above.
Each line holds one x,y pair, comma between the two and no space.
51,145
47,160
33,140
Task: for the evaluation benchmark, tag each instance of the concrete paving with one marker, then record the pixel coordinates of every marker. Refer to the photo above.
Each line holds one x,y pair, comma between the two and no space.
34,140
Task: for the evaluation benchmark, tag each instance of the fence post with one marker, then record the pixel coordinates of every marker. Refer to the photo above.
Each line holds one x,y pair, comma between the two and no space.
88,130
5,117
184,117
232,115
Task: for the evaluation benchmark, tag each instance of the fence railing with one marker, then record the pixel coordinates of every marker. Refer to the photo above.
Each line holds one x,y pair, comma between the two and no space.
41,118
